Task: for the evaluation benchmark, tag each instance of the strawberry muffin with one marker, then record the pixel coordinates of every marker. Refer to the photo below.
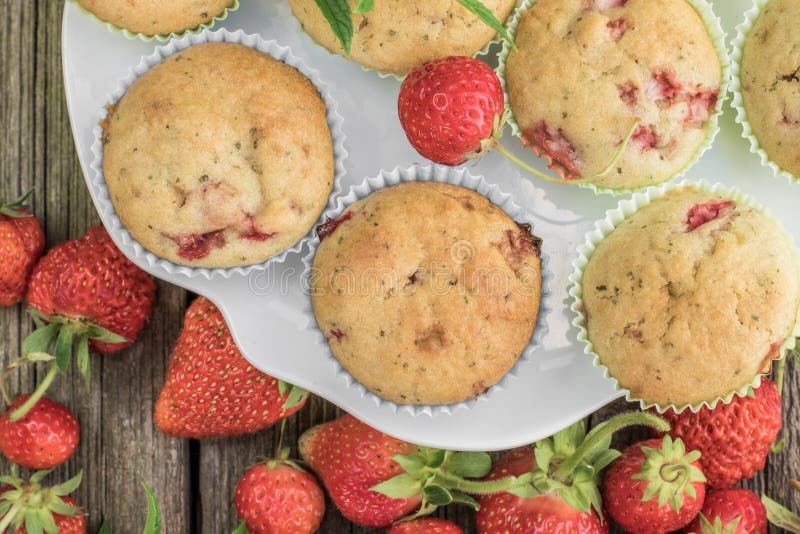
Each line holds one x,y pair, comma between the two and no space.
770,78
219,156
427,293
691,297
616,93
156,17
397,35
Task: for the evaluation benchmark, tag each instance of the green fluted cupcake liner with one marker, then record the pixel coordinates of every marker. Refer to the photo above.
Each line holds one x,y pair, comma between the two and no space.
714,27
161,37
742,31
604,227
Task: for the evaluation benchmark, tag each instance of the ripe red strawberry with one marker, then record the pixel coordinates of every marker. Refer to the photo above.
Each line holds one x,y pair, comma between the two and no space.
29,507
211,390
375,480
734,439
277,497
730,511
84,293
505,512
21,244
655,487
451,109
427,525
45,438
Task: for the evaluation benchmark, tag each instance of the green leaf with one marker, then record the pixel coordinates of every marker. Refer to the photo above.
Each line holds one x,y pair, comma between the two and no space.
463,498
153,523
780,516
104,528
38,476
469,464
296,397
524,492
33,524
400,487
437,495
604,459
69,486
62,508
40,339
4,507
47,521
102,334
63,350
543,454
83,359
241,529
283,387
364,6
411,464
486,15
436,458
340,18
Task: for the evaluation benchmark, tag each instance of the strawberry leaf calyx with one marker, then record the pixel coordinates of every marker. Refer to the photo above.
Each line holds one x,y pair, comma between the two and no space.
17,209
32,506
669,473
707,527
780,516
442,477
569,463
241,528
295,396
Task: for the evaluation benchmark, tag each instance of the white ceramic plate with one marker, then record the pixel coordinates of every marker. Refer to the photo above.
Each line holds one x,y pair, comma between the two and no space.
557,386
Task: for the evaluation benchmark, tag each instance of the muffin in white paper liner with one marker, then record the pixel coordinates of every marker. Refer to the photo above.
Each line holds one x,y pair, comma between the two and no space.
97,181
742,31
453,176
162,37
604,227
713,25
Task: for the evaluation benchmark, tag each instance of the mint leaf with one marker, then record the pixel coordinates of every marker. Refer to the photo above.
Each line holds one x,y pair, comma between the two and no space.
364,6
339,16
153,523
486,15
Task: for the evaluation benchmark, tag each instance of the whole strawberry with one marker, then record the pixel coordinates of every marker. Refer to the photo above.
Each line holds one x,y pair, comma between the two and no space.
451,109
734,439
655,487
730,511
277,497
21,244
426,525
30,507
84,293
211,390
45,438
375,480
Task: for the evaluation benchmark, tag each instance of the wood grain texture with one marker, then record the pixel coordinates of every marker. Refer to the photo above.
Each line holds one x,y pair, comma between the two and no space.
194,481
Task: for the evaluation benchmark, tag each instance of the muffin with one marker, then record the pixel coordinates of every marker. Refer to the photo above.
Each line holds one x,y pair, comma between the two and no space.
156,17
219,156
619,94
770,81
690,298
426,292
398,35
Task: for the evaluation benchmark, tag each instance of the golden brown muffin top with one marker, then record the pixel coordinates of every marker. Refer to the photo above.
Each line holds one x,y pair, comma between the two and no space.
398,35
770,75
154,17
586,71
427,293
689,298
219,156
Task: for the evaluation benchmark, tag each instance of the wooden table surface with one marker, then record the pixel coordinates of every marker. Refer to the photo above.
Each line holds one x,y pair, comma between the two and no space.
120,445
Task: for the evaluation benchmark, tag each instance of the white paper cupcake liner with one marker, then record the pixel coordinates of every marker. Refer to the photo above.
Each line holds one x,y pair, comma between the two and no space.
498,39
742,31
454,176
714,27
604,227
97,181
162,37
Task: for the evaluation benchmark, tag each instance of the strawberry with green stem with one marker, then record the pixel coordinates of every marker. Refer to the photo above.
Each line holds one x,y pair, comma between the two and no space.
730,511
557,480
84,294
375,479
453,110
32,508
655,487
21,245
